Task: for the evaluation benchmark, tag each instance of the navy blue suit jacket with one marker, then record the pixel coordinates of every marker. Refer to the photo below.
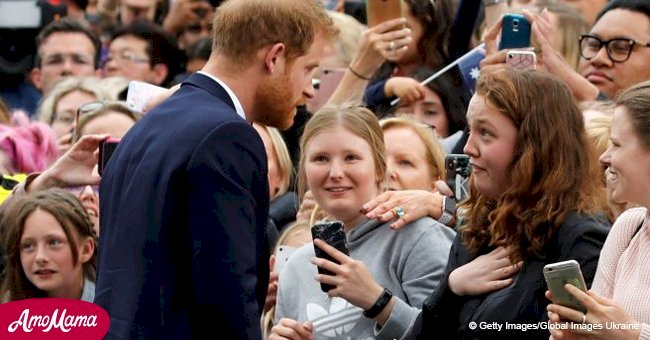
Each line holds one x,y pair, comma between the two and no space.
184,203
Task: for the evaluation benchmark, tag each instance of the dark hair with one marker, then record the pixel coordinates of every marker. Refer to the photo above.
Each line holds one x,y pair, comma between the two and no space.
162,46
67,25
201,49
553,171
641,6
72,217
453,98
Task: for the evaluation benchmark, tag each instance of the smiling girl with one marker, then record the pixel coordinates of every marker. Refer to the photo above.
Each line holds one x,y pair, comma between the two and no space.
380,287
51,248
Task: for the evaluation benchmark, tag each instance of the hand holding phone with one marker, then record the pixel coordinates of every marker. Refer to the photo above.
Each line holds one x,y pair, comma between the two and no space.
106,149
458,171
515,32
560,273
332,233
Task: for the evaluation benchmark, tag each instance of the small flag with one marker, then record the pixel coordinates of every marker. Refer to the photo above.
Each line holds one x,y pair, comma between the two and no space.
470,69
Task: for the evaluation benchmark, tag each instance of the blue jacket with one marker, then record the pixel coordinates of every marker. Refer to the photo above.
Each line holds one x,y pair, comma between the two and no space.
184,204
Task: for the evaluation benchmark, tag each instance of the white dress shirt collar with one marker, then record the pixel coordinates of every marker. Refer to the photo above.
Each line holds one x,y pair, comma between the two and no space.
233,97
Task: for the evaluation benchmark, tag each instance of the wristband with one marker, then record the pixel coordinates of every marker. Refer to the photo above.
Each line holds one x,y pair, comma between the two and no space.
358,75
448,211
379,305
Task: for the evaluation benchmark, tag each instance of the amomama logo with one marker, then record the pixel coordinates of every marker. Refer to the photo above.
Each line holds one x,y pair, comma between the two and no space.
52,319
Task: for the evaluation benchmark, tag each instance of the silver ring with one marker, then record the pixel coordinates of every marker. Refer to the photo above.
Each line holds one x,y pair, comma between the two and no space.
399,212
391,45
584,317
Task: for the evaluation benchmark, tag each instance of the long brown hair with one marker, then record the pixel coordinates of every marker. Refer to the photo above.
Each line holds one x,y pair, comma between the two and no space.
553,172
72,217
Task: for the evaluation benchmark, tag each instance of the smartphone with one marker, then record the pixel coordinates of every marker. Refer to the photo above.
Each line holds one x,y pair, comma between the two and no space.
560,273
379,11
515,32
139,93
332,233
521,60
329,80
458,171
106,149
282,255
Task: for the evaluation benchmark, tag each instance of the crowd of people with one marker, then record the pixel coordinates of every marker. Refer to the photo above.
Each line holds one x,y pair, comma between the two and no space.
278,115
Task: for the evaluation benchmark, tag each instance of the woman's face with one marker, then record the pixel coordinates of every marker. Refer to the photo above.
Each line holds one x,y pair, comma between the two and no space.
114,124
490,146
46,256
341,173
274,176
429,111
627,162
411,55
66,109
406,156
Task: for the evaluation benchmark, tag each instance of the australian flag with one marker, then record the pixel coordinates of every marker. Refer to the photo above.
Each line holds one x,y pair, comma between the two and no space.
470,69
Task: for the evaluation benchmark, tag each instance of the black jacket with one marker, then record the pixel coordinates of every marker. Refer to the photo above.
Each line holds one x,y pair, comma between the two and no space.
446,315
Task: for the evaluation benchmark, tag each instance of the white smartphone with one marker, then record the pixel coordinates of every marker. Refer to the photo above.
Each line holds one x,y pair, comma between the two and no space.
139,94
282,255
560,273
521,60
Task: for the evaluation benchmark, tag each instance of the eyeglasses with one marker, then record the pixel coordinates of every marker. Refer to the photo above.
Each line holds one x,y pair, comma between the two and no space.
126,56
77,190
618,49
93,107
59,59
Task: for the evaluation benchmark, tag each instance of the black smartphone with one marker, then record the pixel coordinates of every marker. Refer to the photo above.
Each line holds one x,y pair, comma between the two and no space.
515,32
106,149
332,233
560,273
458,171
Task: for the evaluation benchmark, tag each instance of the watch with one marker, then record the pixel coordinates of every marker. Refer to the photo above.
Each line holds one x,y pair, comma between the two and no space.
379,305
448,211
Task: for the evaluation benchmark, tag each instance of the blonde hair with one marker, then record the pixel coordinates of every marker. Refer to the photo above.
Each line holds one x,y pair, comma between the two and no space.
598,130
355,119
435,154
108,106
570,24
347,44
242,28
285,166
65,86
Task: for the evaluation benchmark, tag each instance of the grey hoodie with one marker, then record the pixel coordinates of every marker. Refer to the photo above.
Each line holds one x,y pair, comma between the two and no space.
410,262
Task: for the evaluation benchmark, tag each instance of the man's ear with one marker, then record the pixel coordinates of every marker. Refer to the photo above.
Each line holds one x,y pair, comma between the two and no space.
273,55
160,72
36,78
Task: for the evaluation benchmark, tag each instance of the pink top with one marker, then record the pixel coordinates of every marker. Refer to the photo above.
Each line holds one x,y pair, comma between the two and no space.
623,273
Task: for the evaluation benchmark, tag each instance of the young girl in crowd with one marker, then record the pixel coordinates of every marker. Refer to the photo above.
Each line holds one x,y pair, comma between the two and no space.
619,295
343,162
535,198
51,248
